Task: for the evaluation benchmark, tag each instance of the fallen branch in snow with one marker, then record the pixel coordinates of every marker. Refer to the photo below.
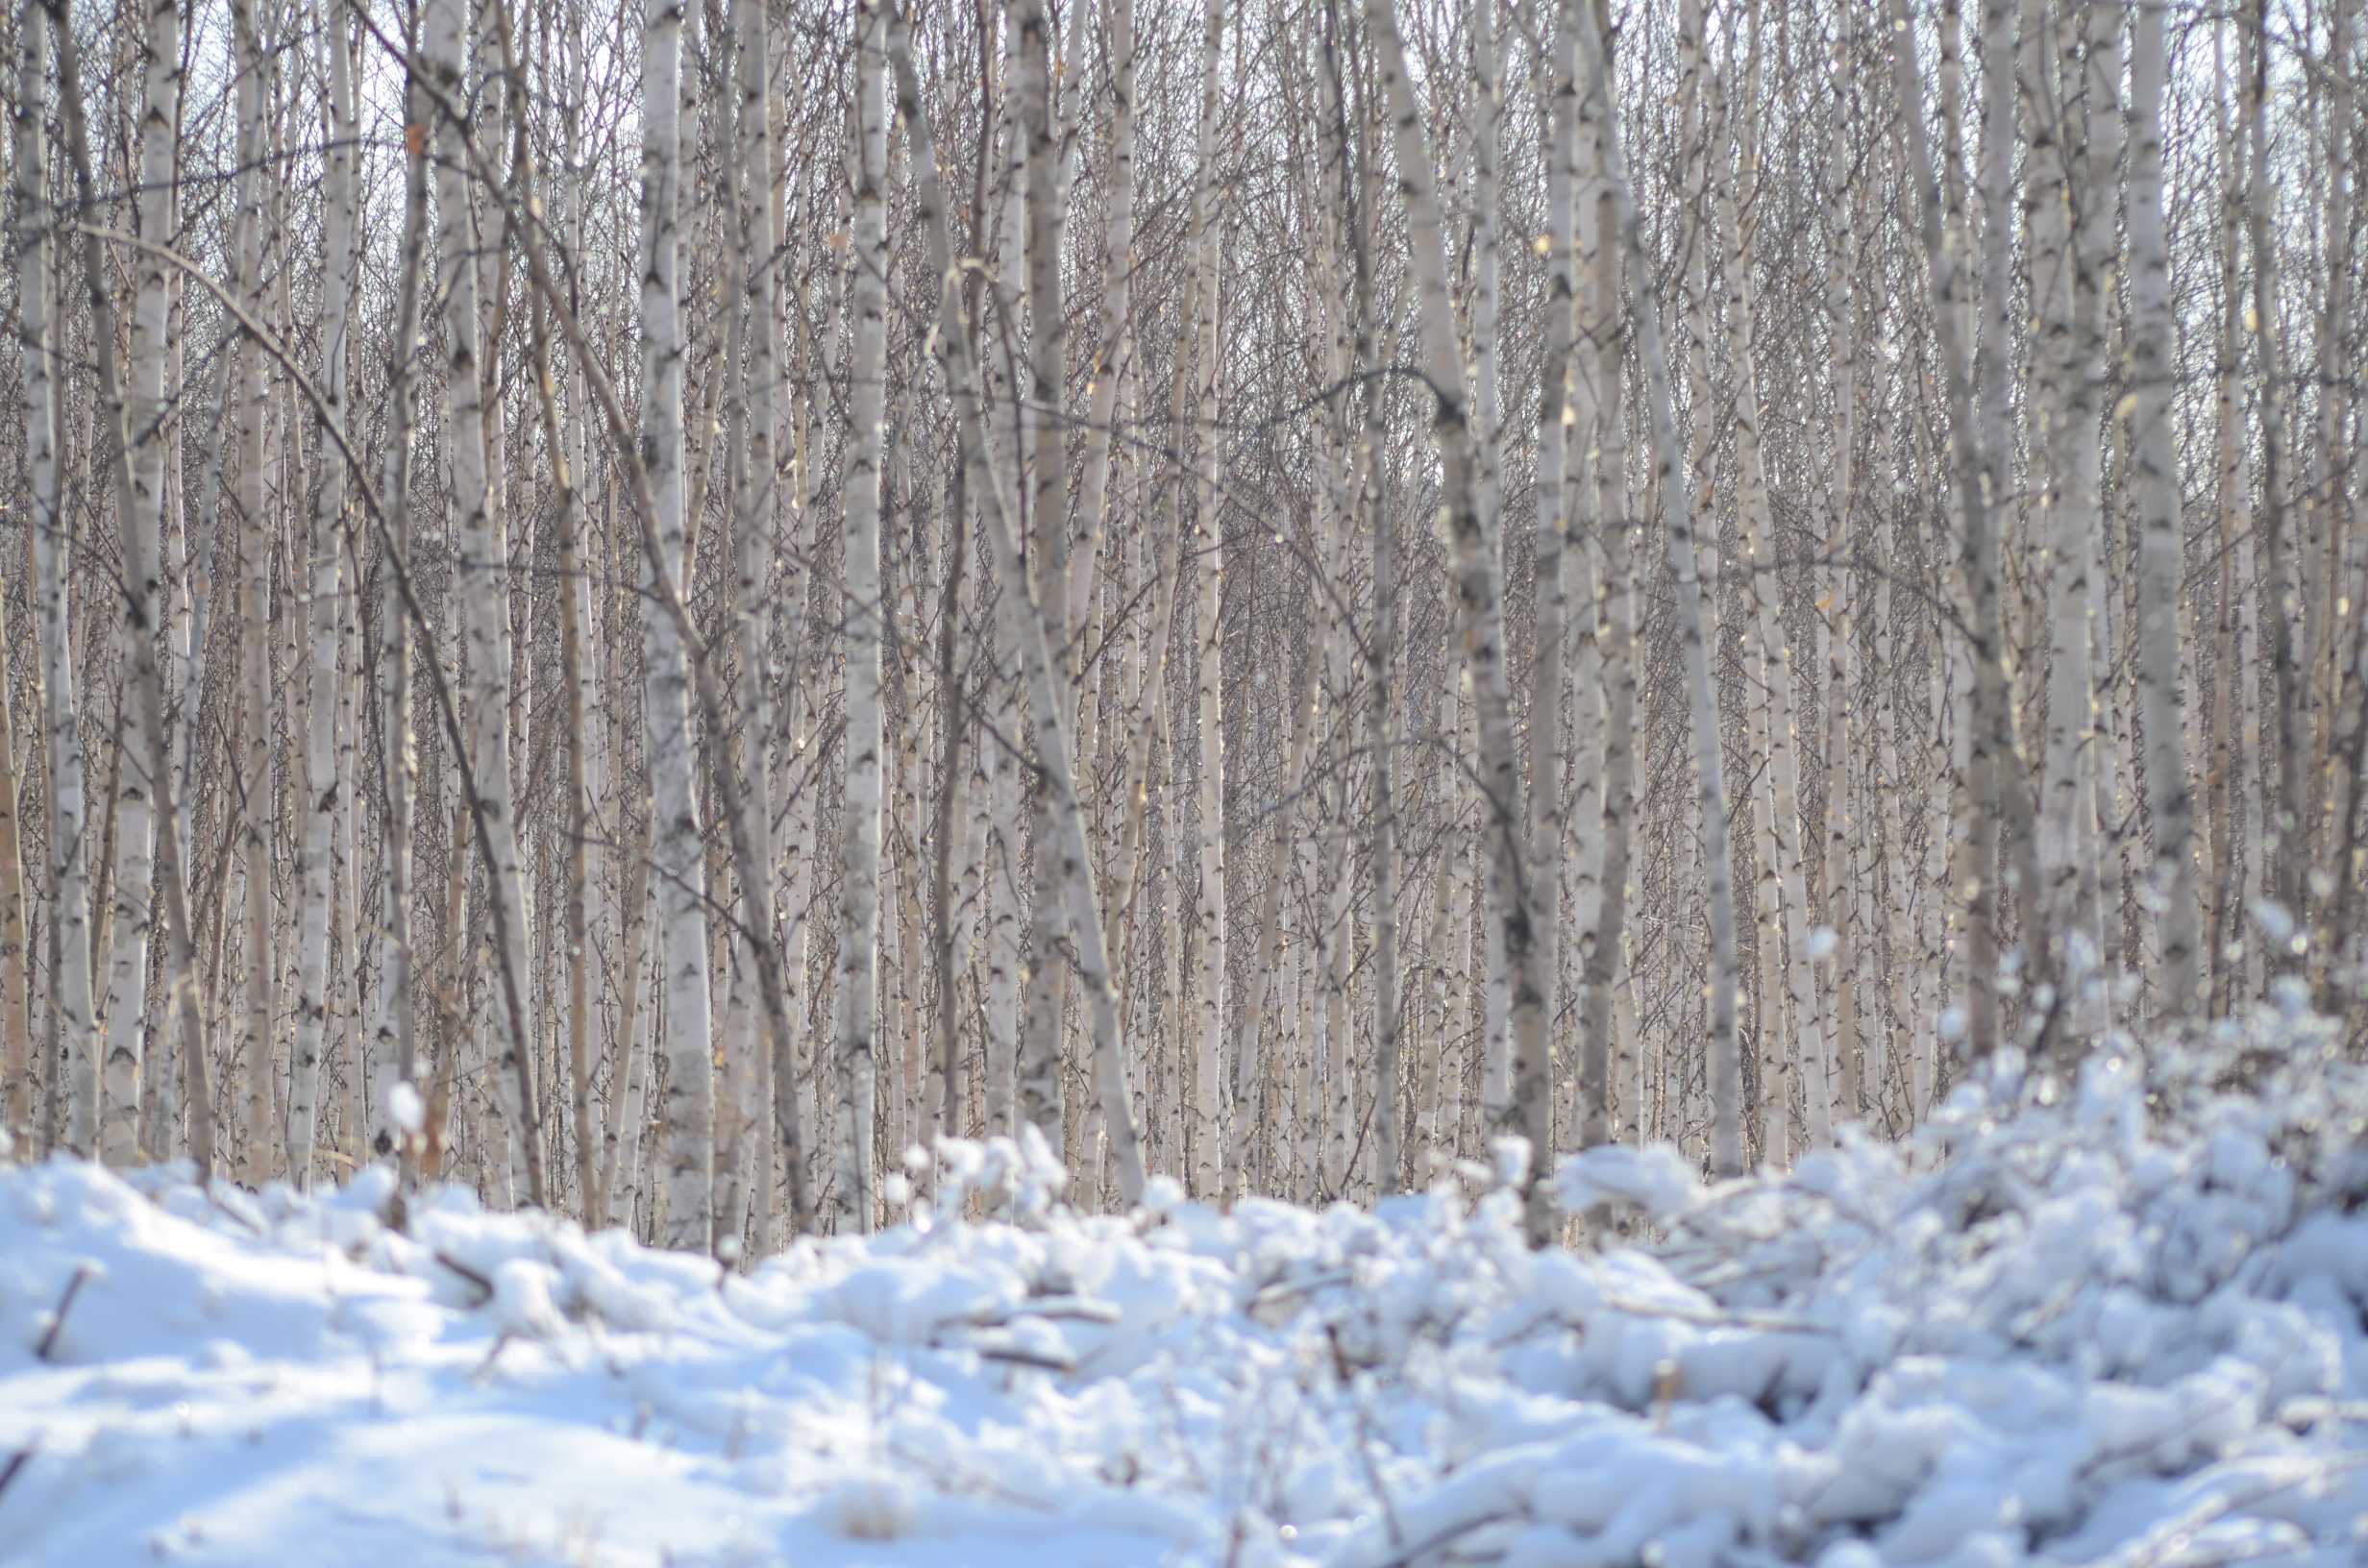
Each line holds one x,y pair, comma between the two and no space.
230,1213
1278,1290
1413,1552
57,1318
1063,1310
473,1276
1012,1355
16,1461
501,1343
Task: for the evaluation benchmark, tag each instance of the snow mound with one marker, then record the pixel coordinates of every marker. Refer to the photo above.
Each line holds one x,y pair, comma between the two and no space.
2121,1323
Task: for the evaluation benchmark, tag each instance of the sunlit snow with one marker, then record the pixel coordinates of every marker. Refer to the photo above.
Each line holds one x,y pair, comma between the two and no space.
2122,1324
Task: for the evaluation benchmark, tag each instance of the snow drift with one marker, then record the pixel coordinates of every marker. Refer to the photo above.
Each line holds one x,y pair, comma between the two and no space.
2124,1322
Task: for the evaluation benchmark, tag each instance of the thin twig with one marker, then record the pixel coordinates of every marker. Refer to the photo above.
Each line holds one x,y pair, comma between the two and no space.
473,1276
65,1305
16,1461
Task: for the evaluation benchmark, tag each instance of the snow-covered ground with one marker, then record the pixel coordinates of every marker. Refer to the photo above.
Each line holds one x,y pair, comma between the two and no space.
2117,1327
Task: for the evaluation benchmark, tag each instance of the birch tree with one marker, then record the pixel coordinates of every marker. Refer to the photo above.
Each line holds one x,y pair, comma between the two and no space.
248,400
322,781
481,588
679,868
1513,896
72,1016
2160,540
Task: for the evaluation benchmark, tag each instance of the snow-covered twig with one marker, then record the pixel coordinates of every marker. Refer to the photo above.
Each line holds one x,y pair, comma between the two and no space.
42,1351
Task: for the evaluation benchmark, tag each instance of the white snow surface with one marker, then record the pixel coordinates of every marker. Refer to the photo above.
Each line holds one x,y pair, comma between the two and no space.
2116,1324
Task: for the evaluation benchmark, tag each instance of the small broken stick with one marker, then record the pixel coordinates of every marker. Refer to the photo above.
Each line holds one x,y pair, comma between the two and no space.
57,1319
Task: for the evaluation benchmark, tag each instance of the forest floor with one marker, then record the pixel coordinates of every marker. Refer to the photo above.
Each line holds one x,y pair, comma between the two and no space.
2124,1323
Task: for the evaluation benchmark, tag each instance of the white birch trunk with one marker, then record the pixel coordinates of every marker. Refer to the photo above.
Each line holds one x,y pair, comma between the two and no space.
1514,897
1807,1024
257,697
1862,1078
1598,389
1565,406
148,408
2160,543
679,868
71,1000
1255,1112
1209,903
15,958
855,1024
1487,106
484,592
393,1046
324,795
629,1104
1046,480
1112,362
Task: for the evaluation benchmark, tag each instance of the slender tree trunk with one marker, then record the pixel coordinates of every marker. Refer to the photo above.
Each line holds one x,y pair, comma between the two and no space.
325,800
1047,480
1726,1085
1208,546
1209,903
147,412
1599,375
2331,470
2065,219
1862,1080
356,1031
258,701
1704,131
629,1112
2161,547
679,868
953,864
2284,850
70,1000
1328,1047
1113,358
1514,896
1358,207
483,590
394,1043
16,955
1487,106
160,1112
1565,403
856,1021
1254,1114
1808,1023
2233,653
1966,877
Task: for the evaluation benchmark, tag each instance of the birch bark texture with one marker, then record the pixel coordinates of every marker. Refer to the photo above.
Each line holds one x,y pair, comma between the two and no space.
679,866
